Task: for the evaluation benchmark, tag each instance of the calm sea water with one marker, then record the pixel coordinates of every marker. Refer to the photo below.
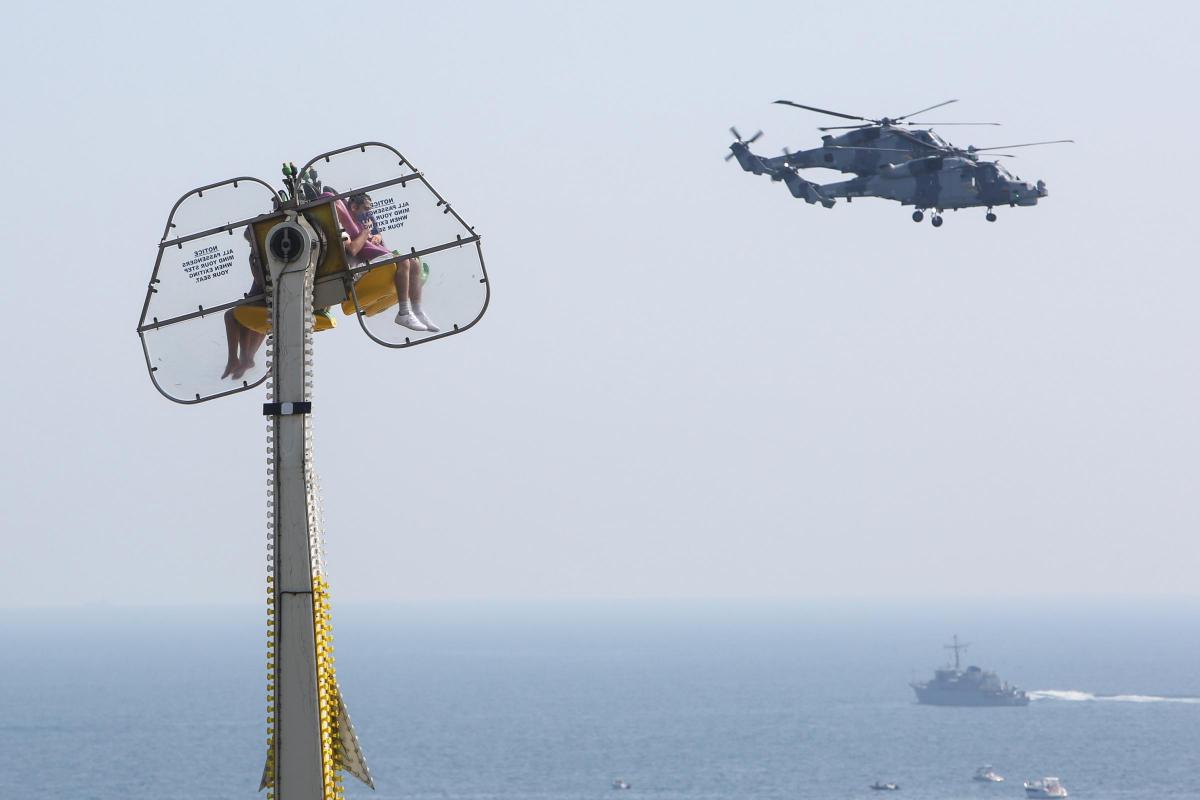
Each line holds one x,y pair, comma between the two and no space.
684,701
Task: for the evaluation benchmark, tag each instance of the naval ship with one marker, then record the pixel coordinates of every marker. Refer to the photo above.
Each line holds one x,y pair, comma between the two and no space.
970,687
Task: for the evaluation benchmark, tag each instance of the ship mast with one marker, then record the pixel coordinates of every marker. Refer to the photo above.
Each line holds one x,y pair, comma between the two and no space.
956,647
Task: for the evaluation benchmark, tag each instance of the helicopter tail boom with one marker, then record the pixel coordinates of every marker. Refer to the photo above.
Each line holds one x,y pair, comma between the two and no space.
802,189
746,159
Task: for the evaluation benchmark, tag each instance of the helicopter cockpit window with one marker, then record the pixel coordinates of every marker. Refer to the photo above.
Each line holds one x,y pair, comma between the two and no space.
420,273
205,277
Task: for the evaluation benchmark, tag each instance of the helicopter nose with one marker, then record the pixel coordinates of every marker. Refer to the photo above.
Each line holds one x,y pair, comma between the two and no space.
1042,191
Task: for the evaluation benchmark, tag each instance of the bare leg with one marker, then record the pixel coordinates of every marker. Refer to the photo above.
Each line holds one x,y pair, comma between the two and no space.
408,294
414,291
402,282
233,330
414,278
250,341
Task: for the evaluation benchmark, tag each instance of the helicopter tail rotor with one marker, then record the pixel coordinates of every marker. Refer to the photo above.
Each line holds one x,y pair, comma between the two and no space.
740,141
740,150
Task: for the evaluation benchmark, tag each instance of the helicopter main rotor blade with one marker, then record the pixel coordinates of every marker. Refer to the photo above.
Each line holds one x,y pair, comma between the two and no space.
738,136
871,149
1027,144
845,127
903,134
822,110
932,124
931,108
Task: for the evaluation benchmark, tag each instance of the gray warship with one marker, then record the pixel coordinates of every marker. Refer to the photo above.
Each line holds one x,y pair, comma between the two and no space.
970,687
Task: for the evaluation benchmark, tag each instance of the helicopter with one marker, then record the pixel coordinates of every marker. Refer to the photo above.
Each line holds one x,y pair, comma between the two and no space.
890,160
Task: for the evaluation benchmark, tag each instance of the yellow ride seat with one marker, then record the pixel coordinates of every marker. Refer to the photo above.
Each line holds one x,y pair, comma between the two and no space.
257,319
376,291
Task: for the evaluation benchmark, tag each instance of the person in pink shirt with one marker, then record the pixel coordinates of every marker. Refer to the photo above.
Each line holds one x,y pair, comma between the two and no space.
367,247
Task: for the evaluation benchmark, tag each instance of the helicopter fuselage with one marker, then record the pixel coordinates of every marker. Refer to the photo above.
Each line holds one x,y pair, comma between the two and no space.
934,182
950,182
863,151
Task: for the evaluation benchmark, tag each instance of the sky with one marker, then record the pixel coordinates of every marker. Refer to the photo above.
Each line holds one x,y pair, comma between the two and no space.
688,384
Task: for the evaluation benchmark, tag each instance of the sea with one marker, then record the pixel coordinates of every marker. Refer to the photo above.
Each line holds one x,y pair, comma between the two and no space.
684,700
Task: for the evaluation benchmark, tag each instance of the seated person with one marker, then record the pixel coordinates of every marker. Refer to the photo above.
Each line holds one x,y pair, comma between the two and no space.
367,247
242,342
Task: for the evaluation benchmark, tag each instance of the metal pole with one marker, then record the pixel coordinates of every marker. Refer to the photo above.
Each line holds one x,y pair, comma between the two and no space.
296,766
311,739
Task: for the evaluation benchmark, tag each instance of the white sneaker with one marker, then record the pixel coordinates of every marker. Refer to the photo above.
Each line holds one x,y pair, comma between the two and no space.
409,321
426,321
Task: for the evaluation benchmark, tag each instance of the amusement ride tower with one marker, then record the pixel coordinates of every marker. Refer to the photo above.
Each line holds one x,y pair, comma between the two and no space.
358,228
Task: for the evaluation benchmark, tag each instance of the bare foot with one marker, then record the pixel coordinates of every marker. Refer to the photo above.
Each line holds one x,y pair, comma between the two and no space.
243,367
230,367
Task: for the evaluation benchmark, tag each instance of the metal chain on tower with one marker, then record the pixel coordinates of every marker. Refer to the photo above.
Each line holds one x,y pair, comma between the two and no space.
268,776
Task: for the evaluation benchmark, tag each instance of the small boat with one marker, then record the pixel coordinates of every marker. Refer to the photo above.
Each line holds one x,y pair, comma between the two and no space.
986,774
620,783
1046,787
885,787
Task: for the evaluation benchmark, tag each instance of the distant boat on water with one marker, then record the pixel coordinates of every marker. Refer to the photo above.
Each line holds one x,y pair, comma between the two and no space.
954,686
620,783
986,774
1046,787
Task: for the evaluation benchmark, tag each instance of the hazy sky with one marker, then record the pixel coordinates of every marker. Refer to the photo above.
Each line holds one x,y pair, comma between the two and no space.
689,384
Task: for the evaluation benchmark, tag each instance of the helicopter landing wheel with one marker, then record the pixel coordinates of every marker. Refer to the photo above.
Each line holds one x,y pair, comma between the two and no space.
918,216
991,216
937,220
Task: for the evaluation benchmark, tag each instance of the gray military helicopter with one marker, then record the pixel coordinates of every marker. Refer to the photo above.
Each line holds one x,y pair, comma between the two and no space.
913,167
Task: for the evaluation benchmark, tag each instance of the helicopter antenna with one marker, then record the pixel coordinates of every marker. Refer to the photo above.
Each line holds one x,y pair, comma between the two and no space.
956,647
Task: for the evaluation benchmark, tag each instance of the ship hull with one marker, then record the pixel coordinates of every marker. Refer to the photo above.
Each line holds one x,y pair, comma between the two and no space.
941,697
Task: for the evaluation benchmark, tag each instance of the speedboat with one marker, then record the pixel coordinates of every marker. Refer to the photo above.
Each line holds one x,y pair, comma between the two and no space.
620,783
885,787
1046,787
986,774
